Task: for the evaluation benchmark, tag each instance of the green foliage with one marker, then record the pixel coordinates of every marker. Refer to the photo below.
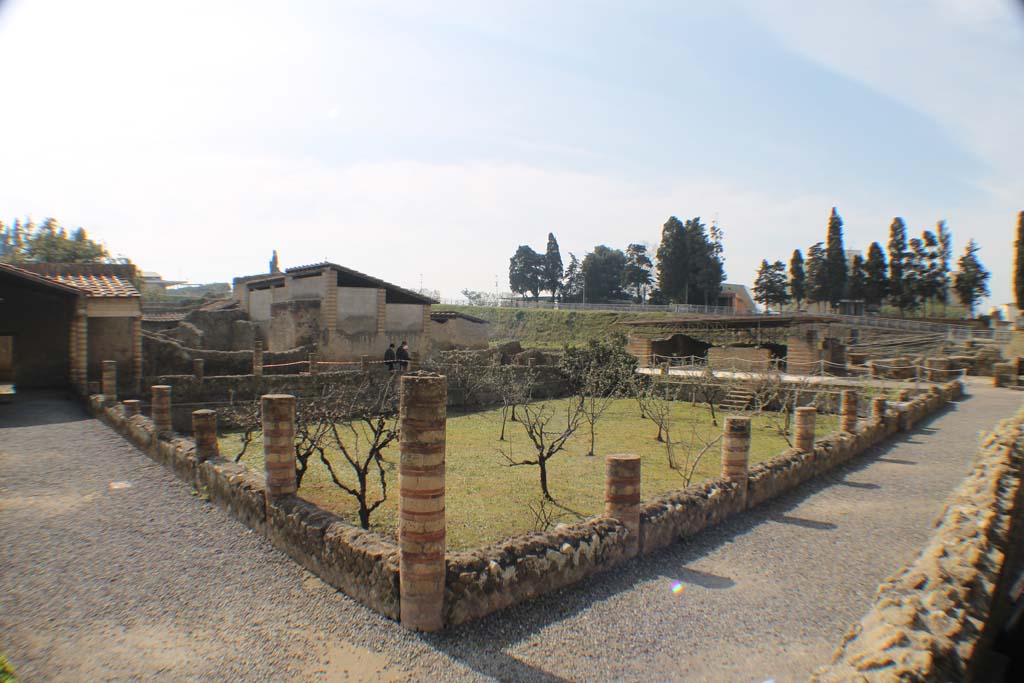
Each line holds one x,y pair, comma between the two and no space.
972,281
1018,266
771,288
603,271
601,367
526,271
572,281
6,672
817,273
637,274
876,283
857,282
901,291
552,275
797,277
49,242
835,261
690,267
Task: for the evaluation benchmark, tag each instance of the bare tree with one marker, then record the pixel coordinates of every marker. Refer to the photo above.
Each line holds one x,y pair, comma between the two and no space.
514,384
547,435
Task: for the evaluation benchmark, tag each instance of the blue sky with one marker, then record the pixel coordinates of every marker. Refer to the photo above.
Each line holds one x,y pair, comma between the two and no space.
428,140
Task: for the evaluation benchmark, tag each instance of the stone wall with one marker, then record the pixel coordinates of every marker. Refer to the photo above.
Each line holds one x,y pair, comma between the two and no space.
162,356
739,358
929,619
360,563
294,323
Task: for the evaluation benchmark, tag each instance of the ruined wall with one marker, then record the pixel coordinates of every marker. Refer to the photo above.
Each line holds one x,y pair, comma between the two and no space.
458,333
929,618
111,339
162,356
741,358
404,318
357,310
360,563
803,353
294,323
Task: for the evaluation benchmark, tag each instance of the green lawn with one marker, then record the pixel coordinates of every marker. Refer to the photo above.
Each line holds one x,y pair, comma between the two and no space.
487,500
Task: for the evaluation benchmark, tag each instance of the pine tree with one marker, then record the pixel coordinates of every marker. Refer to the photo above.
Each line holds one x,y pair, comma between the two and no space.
571,289
971,282
638,270
770,288
1018,266
876,283
898,255
797,277
526,271
946,257
817,274
835,260
552,266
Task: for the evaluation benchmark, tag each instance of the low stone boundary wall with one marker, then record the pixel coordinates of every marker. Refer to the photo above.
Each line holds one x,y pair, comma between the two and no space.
360,563
929,618
365,565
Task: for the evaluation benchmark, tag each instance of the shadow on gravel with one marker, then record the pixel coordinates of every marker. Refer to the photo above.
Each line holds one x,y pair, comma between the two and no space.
34,408
484,645
859,485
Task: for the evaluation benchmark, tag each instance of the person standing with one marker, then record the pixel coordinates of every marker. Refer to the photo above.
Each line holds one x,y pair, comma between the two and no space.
389,357
403,356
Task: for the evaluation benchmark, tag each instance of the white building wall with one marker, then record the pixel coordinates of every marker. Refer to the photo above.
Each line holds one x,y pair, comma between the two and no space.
357,310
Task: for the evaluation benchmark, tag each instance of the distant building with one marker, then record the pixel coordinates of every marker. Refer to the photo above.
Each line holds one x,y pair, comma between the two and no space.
737,298
150,280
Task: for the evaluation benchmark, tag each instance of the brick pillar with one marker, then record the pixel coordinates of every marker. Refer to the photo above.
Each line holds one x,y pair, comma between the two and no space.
278,449
622,496
804,439
329,306
531,362
204,431
421,523
736,449
313,359
82,351
198,369
414,361
879,406
257,359
382,310
137,354
131,408
109,381
848,411
903,396
364,363
161,407
426,323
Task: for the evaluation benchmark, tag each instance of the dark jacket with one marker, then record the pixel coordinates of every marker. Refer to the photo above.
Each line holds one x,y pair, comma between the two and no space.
389,354
403,353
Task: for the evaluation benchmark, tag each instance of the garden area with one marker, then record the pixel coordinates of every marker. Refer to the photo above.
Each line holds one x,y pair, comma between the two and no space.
489,497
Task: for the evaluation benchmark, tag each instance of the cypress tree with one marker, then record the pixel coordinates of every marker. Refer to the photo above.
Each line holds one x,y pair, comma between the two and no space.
876,283
797,277
898,255
835,260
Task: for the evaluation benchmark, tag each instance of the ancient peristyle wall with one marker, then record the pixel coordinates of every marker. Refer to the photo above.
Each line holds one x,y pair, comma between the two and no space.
360,563
458,333
929,618
294,323
165,356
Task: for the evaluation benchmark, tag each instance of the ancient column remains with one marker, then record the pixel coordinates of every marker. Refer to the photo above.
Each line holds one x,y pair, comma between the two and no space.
903,396
848,411
198,369
804,438
161,409
204,431
622,496
364,363
313,369
109,386
131,408
257,359
421,523
879,406
736,449
278,450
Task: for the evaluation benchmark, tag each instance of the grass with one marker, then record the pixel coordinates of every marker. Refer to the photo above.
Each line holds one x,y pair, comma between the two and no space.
6,672
487,500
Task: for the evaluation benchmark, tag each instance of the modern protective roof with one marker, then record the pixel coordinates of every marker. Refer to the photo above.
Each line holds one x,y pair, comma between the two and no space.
347,277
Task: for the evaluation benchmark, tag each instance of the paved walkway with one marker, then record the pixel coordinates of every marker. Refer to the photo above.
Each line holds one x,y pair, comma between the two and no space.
111,570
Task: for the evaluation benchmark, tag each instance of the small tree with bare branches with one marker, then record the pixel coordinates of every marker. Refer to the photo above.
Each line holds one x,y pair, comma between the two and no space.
548,434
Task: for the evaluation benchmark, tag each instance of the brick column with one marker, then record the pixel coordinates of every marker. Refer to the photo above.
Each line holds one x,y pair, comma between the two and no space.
804,439
204,432
622,496
848,411
108,384
903,396
736,449
426,322
313,369
278,449
198,369
137,354
131,408
161,407
382,310
257,358
879,406
364,363
82,351
421,523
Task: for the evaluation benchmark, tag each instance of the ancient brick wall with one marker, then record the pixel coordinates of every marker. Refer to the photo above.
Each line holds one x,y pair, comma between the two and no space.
929,618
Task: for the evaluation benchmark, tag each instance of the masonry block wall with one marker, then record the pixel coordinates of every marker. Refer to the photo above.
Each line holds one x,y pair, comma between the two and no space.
739,358
803,353
641,349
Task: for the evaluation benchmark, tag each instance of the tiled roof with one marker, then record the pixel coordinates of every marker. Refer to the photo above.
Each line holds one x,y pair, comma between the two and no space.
36,278
98,285
441,316
163,317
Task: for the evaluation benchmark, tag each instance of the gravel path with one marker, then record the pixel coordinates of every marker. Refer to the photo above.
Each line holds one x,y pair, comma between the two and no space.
147,582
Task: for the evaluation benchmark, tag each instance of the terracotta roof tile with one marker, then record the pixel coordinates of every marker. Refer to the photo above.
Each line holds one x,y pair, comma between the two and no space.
98,285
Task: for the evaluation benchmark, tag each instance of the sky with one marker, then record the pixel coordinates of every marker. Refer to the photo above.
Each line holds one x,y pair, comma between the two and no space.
423,142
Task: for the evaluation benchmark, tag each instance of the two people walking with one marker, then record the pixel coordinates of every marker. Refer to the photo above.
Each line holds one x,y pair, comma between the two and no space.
397,359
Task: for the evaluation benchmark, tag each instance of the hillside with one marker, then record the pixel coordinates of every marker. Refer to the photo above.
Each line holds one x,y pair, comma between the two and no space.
548,328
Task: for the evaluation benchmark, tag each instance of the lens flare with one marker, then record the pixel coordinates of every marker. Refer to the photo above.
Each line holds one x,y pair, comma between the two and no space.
677,587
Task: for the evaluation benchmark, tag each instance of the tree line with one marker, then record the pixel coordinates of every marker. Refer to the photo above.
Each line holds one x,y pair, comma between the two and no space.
688,267
909,275
49,242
